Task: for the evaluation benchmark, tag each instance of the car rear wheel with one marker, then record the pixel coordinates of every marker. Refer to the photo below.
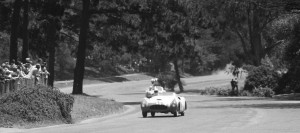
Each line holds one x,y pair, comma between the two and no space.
152,114
144,114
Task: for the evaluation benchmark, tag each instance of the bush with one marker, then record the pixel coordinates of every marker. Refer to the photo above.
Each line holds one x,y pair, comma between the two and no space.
289,82
261,77
220,91
226,91
263,92
167,79
245,93
35,105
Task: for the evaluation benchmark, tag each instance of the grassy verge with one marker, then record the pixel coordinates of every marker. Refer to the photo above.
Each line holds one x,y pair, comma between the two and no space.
86,107
41,107
35,107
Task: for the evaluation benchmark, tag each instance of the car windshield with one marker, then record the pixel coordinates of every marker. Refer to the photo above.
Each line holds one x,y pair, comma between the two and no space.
166,94
159,88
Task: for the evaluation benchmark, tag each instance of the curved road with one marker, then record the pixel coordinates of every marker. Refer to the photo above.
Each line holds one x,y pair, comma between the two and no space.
207,114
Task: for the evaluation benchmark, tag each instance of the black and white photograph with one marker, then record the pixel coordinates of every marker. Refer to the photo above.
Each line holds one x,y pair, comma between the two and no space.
149,66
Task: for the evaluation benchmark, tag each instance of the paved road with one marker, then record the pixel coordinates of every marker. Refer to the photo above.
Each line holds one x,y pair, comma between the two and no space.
207,114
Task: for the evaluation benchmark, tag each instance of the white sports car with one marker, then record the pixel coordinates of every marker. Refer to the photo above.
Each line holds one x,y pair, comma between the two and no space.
164,103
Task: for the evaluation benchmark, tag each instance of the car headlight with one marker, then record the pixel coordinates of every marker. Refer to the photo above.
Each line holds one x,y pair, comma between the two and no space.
144,104
173,104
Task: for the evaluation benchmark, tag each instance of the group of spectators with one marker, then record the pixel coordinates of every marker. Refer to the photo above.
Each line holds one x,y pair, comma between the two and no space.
26,69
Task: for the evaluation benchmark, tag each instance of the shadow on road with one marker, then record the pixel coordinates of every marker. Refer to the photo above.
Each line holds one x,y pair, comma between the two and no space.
248,102
157,117
138,93
111,79
131,103
87,95
260,106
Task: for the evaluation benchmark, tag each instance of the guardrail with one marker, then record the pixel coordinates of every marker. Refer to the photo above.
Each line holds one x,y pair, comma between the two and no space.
10,85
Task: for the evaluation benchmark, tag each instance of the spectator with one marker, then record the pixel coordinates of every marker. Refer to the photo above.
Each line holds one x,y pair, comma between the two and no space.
36,73
7,72
44,71
1,74
28,66
234,84
20,72
31,70
13,64
14,73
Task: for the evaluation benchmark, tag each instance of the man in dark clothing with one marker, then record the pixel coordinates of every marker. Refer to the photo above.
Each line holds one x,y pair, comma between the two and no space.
234,84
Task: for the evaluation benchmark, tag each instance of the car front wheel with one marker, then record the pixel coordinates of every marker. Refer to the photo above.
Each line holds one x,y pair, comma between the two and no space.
152,114
144,114
175,114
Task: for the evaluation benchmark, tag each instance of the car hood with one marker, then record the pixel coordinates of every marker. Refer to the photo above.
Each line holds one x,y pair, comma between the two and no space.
164,99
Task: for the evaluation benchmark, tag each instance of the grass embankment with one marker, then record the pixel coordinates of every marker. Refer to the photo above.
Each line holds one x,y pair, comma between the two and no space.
31,107
86,107
42,106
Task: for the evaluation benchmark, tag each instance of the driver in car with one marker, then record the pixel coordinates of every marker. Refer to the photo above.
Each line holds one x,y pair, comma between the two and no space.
153,89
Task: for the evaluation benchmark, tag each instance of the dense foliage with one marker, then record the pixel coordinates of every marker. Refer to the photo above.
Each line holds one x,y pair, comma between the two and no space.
226,91
290,81
35,105
167,79
261,76
196,36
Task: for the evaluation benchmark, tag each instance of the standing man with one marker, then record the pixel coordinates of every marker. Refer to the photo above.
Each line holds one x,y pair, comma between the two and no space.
234,84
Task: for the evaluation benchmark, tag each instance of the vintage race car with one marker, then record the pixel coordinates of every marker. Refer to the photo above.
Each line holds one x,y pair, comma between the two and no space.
166,102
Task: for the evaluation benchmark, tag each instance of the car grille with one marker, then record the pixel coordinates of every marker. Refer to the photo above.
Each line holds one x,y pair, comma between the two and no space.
158,107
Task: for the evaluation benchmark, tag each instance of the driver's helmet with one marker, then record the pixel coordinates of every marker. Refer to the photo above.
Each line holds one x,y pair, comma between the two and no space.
153,80
155,91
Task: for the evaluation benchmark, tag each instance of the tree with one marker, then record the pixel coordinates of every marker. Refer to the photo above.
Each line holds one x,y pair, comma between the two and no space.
25,47
14,30
168,27
80,62
248,20
290,81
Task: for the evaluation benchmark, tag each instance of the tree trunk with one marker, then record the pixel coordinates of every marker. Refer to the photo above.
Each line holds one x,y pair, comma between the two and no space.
258,49
25,31
175,62
163,63
51,65
14,30
79,69
51,47
255,34
182,64
193,65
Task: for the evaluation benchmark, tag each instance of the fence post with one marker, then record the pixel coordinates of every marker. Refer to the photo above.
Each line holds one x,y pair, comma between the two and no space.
6,86
11,85
18,83
42,80
2,88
